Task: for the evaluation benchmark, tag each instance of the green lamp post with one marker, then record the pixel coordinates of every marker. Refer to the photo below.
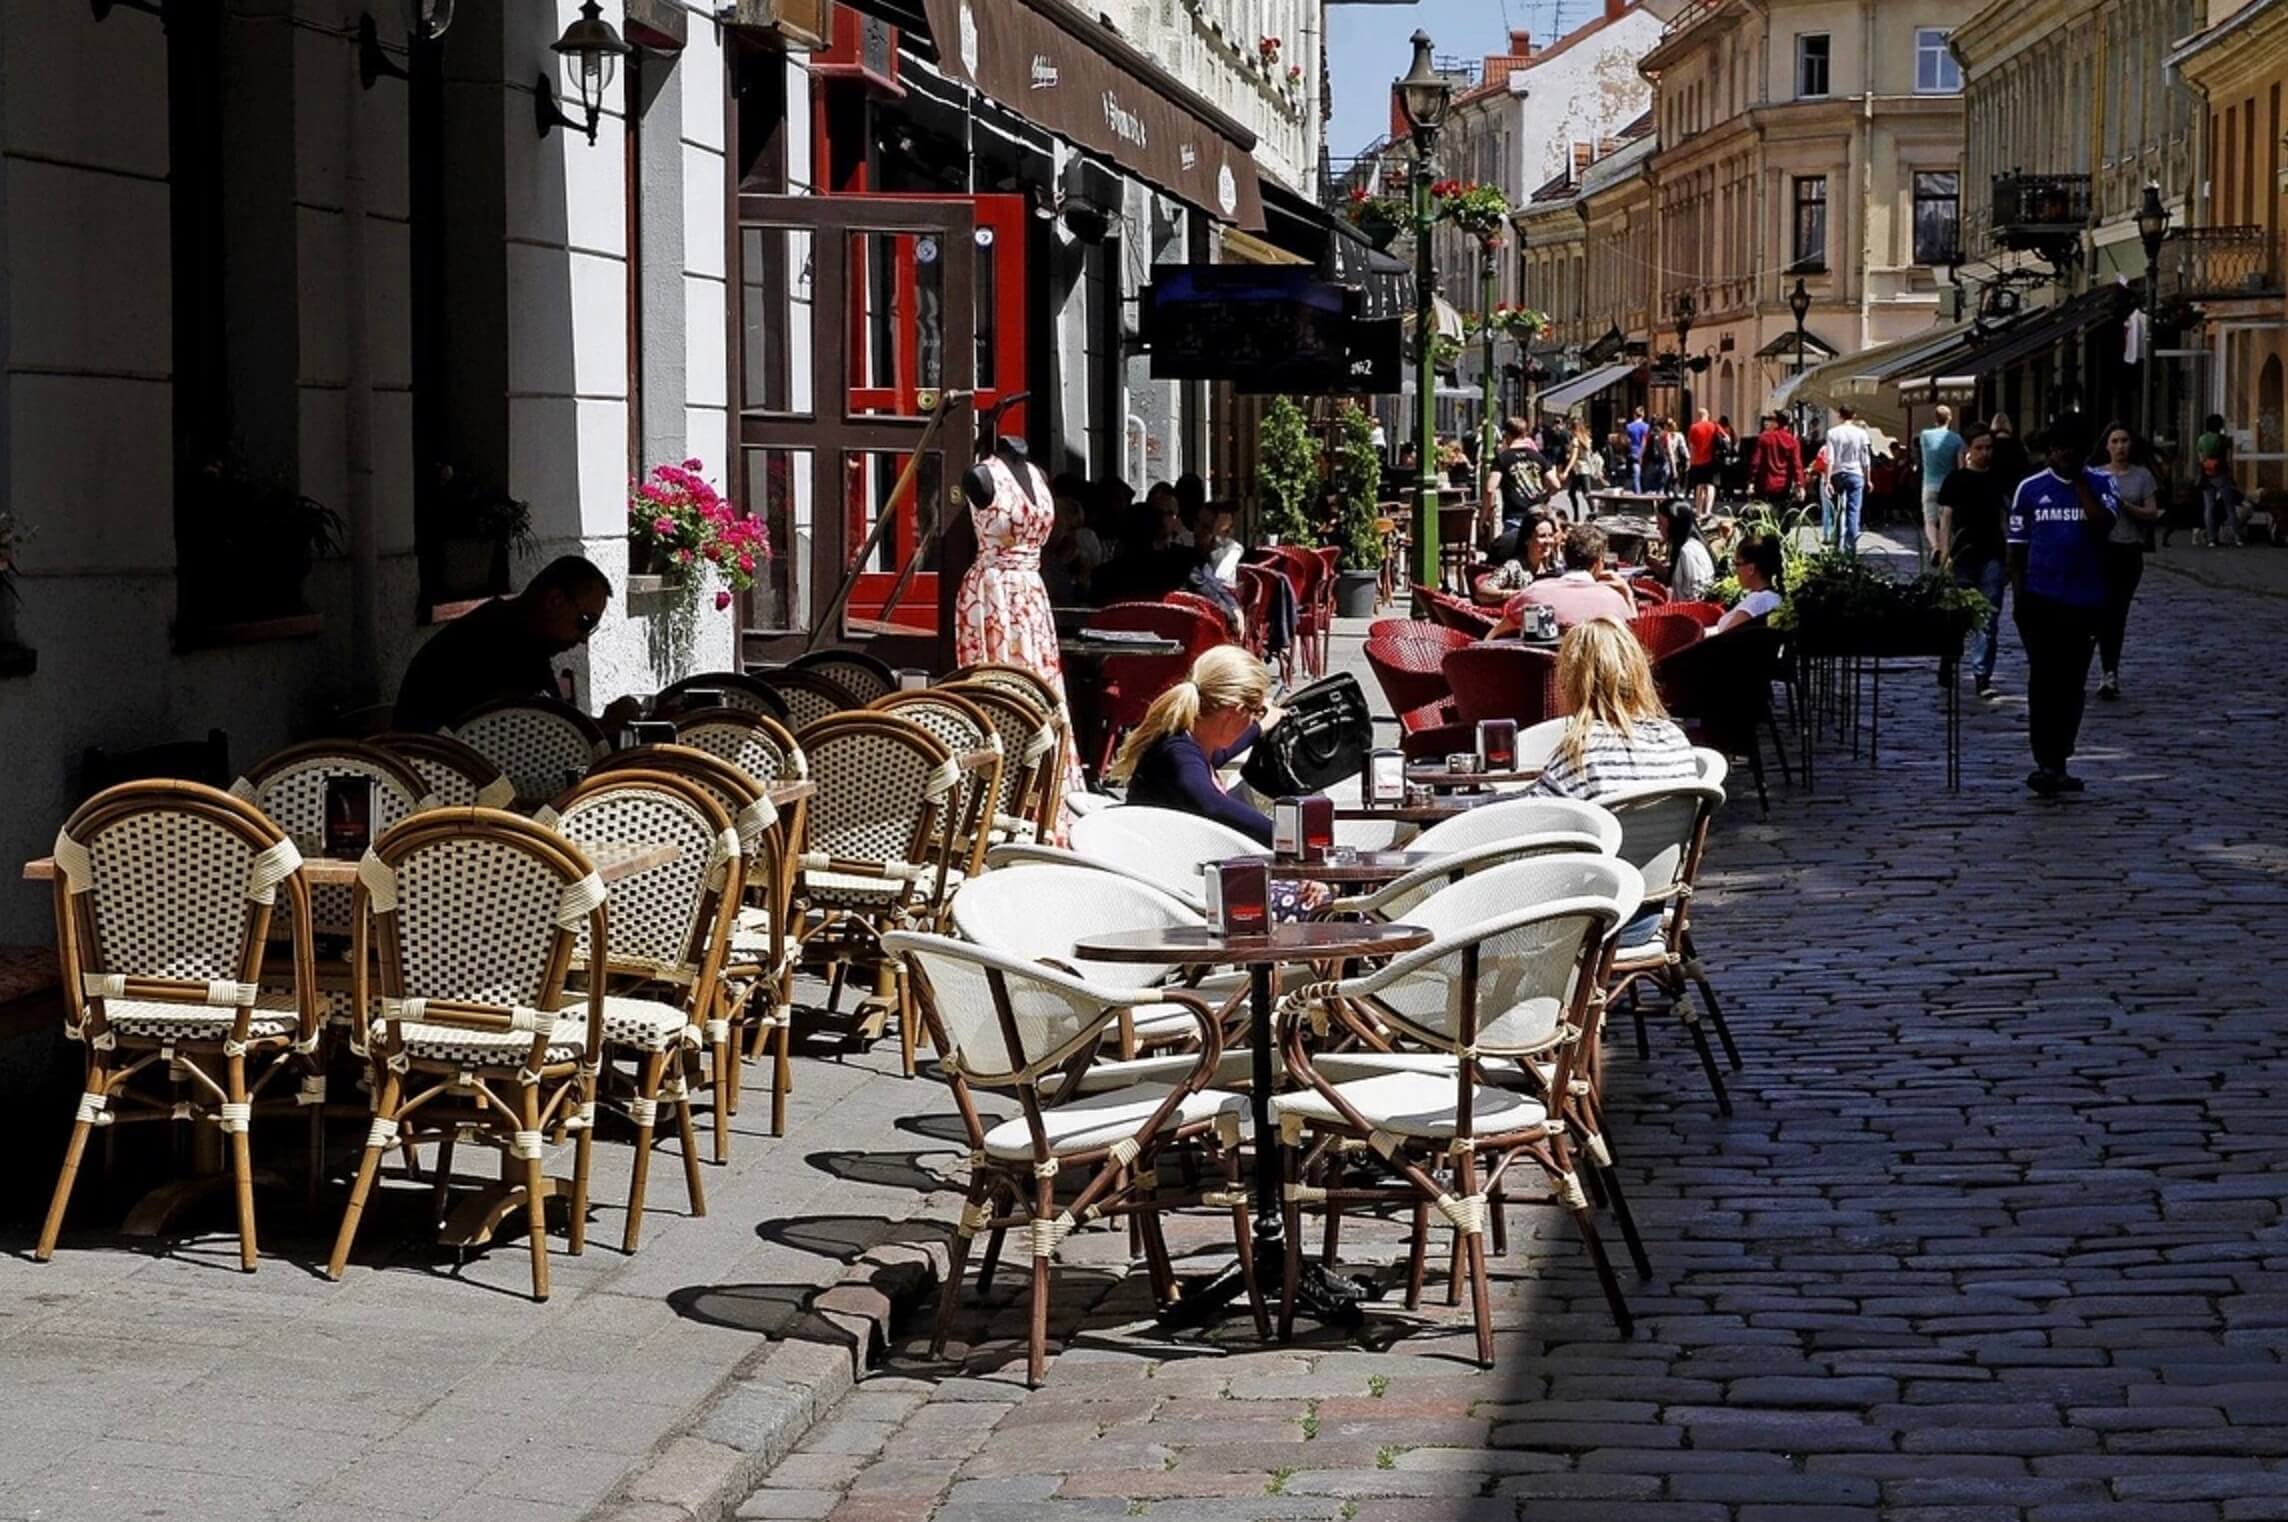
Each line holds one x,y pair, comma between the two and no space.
1423,98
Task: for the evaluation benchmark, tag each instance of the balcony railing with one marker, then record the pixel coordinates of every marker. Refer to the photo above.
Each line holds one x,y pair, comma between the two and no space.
2219,264
2040,212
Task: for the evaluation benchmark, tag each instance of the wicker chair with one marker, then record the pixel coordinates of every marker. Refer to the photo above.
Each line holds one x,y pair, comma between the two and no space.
762,944
739,691
1165,847
1510,818
755,743
290,790
1706,614
863,676
809,695
1055,784
1031,745
1408,663
1721,687
1503,681
1664,633
165,893
1509,976
541,745
1131,682
1004,1024
454,775
669,932
880,835
1306,576
966,730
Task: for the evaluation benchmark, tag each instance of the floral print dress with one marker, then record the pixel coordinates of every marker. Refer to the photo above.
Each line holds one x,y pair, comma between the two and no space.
1002,611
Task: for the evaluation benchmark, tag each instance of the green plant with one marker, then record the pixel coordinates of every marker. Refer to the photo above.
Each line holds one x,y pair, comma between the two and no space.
1839,597
1378,1385
259,536
1311,1423
1445,351
1482,211
1387,1457
1289,471
1277,1485
1358,488
476,508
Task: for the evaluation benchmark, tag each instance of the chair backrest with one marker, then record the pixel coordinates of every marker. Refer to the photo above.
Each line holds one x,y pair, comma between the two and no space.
1409,664
1452,612
1537,743
864,677
1008,674
476,914
1706,614
1043,911
964,729
1512,818
203,761
1664,633
1029,741
885,788
733,788
1196,631
1537,929
290,787
453,773
1163,846
808,695
165,892
996,1017
1258,600
1193,602
739,691
753,742
1662,831
672,921
1502,681
541,745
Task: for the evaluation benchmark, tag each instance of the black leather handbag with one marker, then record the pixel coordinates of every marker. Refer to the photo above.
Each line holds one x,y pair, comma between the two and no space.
1323,740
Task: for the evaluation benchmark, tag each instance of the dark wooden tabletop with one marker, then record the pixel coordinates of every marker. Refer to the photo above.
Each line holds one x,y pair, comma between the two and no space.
1445,806
1313,941
1357,868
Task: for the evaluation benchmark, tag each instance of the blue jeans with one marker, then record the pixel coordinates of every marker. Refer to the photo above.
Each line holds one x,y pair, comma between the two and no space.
1990,581
1850,496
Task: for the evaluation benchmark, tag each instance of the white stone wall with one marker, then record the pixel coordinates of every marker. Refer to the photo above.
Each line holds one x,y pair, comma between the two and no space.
1211,45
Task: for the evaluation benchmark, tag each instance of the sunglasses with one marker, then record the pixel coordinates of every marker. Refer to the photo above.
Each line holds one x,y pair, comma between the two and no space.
587,622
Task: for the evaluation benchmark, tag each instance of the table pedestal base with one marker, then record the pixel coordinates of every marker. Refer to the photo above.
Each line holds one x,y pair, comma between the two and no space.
1332,1299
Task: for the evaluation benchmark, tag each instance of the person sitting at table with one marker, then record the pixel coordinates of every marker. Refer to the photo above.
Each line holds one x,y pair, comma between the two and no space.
1169,761
1589,588
1541,557
1691,568
1757,566
1617,734
506,648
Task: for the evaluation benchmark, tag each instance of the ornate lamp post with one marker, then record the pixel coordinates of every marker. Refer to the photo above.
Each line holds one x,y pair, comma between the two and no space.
1799,302
1423,98
2153,230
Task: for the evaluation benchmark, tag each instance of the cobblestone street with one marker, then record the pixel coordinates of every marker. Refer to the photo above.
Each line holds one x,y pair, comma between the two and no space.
1995,1233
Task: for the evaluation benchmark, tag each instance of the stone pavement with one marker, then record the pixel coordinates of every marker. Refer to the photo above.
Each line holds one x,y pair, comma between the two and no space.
1995,1234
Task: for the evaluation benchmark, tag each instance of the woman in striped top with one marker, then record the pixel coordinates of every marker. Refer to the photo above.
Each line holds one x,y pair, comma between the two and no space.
1617,734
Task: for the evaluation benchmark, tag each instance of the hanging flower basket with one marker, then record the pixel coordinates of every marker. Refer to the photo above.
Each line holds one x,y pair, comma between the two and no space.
679,524
1267,52
1482,211
1381,218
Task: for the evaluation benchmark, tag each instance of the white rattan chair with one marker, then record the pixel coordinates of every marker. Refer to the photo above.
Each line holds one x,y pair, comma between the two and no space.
965,729
1511,818
670,929
1510,974
164,894
739,690
1395,901
1164,846
454,775
1003,1023
542,746
290,790
1060,777
473,917
1537,744
1664,835
755,743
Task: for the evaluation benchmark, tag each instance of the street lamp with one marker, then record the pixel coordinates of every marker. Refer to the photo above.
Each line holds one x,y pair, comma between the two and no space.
1799,302
2153,231
1686,310
594,49
1423,99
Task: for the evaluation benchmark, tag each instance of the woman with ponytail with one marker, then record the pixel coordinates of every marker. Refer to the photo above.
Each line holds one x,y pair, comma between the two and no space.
1169,761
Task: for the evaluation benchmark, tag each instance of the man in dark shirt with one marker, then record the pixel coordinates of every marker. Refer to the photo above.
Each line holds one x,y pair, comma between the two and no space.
2055,535
1972,502
506,648
1514,486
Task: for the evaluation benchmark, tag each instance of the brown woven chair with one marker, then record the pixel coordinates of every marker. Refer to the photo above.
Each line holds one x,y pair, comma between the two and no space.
454,773
809,695
1032,746
1051,701
541,745
473,917
165,893
739,691
965,729
863,676
290,790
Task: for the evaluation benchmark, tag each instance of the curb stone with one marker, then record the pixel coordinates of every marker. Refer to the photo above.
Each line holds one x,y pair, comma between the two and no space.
703,1471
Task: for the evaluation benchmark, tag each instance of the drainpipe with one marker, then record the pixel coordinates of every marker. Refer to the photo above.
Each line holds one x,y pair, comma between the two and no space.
1866,171
357,400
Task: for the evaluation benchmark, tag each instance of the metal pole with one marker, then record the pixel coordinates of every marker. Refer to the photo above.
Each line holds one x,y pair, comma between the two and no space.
1425,373
1798,398
1486,425
2152,316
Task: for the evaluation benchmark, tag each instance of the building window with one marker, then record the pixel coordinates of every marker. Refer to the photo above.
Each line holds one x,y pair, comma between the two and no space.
1811,222
1810,65
1937,72
1938,216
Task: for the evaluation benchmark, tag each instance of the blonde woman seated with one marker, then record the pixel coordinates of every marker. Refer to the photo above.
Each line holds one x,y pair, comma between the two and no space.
1617,734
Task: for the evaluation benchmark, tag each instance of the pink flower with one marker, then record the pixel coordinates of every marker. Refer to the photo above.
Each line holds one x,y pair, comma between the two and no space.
683,557
663,525
693,465
747,564
722,601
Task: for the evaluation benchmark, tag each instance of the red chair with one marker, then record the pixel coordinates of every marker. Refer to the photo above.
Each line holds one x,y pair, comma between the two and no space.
1331,568
1451,612
1706,614
1409,667
1502,681
1131,682
1202,605
1258,601
1314,588
1650,589
1720,689
1434,734
1388,626
1663,633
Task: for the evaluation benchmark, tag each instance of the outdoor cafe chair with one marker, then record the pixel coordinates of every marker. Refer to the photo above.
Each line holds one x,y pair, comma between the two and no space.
1508,976
165,893
1502,681
738,690
1663,633
1032,750
874,858
1395,901
1664,835
864,677
809,695
666,938
290,790
759,970
1004,1024
1509,818
965,729
1165,847
1053,784
1132,682
1706,614
473,917
755,743
453,773
1720,688
1408,663
541,745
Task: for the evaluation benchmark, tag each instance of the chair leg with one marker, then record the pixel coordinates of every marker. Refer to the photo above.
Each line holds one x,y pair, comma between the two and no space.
1243,1238
1609,1177
726,1091
441,1177
1497,1207
1699,976
990,1263
694,1187
1037,1342
98,1082
1692,1023
1636,1013
973,1211
369,1163
1157,1264
1607,1280
1474,1245
1418,1255
583,1158
535,1185
645,1110
1457,1269
835,976
782,1070
1290,1260
890,988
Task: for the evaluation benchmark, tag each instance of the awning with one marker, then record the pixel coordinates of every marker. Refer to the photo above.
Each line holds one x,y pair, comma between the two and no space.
1784,347
1580,388
1053,65
2041,330
1340,251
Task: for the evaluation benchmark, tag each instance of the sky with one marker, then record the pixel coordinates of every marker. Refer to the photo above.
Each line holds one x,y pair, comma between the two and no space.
1367,49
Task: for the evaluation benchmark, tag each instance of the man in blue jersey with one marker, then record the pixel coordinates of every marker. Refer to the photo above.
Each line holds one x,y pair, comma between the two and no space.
2056,534
1638,430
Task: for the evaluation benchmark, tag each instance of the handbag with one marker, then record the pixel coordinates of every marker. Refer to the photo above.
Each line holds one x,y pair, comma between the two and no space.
1323,739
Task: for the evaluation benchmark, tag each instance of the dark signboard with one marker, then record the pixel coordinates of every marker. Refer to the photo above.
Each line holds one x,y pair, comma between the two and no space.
1267,329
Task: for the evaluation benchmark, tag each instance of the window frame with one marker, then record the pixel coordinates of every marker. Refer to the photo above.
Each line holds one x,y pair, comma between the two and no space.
1826,41
1933,258
1803,200
1947,62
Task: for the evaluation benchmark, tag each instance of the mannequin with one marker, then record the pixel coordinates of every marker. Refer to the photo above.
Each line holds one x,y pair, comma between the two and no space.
977,482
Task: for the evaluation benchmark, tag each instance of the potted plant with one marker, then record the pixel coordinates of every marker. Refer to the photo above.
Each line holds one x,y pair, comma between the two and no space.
1267,53
1380,218
1358,496
259,538
1289,473
486,529
1482,211
679,524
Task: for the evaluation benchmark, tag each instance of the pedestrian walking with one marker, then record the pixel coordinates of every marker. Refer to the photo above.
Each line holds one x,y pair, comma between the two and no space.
1584,471
1973,505
1702,443
1638,430
1941,450
1850,460
1775,465
2125,461
2059,521
2220,494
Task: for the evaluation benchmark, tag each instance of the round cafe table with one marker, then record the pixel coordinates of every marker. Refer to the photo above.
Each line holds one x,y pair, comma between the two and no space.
1354,869
1328,1298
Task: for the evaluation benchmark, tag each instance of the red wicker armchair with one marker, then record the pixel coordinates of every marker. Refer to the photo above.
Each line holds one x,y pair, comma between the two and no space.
1664,633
